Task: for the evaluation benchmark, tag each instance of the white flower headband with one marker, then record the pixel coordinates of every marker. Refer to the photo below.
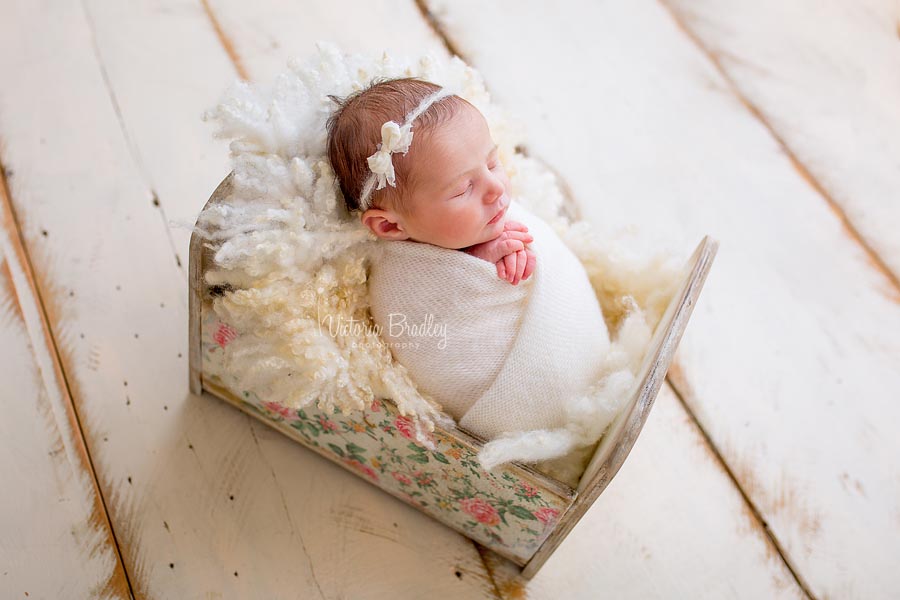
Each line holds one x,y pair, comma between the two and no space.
394,138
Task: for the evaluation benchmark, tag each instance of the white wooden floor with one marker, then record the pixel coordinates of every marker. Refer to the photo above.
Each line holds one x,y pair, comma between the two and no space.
770,467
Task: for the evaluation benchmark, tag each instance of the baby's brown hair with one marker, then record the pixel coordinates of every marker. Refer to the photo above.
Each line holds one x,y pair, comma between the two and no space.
354,131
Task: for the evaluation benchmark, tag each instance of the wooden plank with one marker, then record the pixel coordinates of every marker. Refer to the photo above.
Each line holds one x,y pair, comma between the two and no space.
52,512
205,502
823,77
788,357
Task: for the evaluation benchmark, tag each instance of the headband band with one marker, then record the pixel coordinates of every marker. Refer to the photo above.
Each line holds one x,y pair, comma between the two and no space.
394,138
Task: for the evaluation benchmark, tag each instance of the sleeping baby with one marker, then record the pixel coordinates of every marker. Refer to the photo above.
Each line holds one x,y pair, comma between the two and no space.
479,299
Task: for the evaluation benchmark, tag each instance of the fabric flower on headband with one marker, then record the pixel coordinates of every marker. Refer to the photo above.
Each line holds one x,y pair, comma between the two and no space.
394,138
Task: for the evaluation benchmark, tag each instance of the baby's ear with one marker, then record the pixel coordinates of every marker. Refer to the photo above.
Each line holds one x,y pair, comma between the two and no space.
384,224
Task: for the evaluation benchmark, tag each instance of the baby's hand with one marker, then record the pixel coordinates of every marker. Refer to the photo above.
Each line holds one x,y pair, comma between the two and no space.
517,266
514,262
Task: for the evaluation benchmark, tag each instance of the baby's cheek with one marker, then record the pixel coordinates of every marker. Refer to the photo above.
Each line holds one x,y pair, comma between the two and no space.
461,225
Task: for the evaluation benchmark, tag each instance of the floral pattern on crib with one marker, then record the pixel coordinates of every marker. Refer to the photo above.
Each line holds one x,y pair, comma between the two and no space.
500,510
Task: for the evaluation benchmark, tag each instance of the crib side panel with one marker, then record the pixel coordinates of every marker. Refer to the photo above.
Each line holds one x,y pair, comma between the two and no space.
511,510
617,443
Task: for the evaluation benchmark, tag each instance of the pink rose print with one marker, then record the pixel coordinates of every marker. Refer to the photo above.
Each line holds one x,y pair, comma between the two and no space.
526,490
546,515
281,410
423,479
364,469
224,335
481,510
403,479
327,424
375,406
406,427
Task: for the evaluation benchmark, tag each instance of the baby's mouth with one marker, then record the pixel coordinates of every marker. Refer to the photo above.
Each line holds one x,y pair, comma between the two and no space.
498,216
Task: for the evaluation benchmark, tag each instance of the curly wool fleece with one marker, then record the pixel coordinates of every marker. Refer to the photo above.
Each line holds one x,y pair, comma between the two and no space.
294,257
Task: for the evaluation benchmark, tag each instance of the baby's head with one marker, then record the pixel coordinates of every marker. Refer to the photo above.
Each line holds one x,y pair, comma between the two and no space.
449,185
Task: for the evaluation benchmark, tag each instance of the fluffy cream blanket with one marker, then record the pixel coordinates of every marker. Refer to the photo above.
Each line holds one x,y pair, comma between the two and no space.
294,259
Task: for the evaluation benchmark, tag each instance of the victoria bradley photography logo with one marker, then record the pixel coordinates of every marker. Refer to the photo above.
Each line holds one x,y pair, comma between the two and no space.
401,331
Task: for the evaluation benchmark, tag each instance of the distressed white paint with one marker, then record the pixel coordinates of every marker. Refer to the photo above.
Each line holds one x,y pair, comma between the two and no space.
790,361
826,76
50,511
85,161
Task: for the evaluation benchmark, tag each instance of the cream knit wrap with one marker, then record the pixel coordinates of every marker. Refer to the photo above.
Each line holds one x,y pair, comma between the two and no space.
497,357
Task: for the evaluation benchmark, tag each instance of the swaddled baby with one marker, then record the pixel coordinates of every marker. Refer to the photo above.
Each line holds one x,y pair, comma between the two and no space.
491,314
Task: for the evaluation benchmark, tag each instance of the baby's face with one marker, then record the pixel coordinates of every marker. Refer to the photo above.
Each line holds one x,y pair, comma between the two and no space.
460,197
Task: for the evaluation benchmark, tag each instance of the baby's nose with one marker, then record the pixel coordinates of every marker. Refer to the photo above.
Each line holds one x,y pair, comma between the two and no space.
495,190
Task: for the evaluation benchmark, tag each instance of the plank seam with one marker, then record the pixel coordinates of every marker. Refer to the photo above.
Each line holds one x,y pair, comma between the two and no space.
132,147
435,27
251,422
8,214
734,480
801,168
225,41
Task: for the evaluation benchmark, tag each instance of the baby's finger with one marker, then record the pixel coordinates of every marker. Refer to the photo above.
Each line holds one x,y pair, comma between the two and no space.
501,248
509,246
501,269
497,248
518,235
521,260
510,261
530,264
514,226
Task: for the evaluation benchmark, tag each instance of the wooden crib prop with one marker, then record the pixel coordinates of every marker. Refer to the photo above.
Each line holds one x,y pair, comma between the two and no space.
515,511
